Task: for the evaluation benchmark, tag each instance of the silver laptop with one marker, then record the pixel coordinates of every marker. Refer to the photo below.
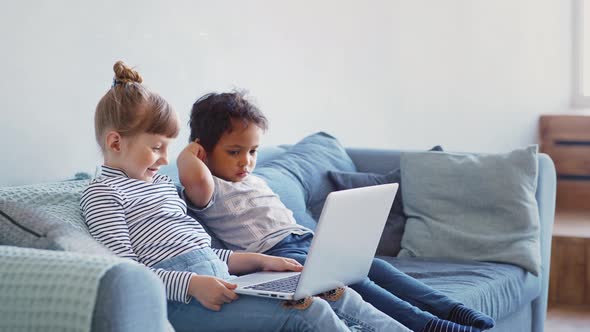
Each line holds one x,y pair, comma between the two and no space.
342,249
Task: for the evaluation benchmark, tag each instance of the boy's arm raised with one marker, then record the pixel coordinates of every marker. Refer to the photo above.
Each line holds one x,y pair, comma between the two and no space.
195,175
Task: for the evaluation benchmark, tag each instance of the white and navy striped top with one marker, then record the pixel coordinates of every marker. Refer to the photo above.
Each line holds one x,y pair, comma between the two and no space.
146,222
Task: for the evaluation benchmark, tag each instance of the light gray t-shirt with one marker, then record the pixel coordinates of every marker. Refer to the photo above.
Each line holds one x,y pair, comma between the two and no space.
247,215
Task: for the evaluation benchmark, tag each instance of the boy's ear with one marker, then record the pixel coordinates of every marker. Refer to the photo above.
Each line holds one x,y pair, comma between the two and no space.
113,141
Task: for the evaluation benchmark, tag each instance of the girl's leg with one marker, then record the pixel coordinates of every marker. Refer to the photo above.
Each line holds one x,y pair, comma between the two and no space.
348,312
249,313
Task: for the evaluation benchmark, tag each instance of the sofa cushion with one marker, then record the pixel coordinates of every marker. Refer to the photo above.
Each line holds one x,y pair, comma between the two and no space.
479,207
299,176
390,242
494,288
46,216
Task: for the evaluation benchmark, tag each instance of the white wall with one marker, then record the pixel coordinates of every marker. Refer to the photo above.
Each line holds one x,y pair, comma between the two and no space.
472,75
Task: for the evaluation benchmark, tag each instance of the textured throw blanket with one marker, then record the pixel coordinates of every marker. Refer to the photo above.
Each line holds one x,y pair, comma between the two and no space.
57,199
42,290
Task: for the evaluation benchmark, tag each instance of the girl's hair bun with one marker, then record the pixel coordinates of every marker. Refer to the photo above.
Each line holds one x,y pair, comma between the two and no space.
125,74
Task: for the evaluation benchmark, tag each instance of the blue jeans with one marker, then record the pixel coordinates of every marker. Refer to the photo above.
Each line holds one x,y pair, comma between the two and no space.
249,313
395,293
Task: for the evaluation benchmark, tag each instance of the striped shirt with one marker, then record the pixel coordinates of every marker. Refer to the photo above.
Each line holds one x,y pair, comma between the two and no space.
146,222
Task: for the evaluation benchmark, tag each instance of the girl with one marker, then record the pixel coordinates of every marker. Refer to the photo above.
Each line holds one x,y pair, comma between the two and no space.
242,211
137,213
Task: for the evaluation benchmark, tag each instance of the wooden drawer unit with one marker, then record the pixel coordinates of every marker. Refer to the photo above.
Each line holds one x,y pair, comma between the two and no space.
569,277
566,138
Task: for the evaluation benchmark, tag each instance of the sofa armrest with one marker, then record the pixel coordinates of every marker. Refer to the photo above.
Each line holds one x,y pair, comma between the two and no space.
546,191
74,291
130,298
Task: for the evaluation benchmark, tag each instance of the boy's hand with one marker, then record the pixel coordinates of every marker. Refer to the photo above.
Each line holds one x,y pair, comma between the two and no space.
211,292
272,263
247,262
194,174
197,149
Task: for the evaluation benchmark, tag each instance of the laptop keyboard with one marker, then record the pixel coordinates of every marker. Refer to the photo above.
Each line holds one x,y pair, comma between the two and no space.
284,285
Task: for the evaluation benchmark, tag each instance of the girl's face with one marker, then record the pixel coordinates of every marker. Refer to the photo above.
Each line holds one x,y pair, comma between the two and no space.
234,156
142,155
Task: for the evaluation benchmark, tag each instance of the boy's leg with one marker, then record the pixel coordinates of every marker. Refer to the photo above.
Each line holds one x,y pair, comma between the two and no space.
250,313
351,305
410,289
425,297
415,302
385,301
393,306
358,314
407,314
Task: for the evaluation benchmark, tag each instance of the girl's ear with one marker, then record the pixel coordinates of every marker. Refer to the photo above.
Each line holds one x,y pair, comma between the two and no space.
113,141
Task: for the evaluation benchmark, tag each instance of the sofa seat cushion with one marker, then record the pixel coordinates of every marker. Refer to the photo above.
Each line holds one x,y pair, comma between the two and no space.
494,288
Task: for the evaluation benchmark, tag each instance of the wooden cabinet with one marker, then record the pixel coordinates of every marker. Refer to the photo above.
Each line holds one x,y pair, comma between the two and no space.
566,138
569,279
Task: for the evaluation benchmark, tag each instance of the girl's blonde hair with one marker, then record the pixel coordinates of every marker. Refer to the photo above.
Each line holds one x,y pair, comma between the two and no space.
130,109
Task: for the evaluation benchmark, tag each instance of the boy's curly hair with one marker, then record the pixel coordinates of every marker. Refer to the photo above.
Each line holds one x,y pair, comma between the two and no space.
212,115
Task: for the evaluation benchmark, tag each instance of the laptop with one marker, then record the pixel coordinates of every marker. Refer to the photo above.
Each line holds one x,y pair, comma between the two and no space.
342,249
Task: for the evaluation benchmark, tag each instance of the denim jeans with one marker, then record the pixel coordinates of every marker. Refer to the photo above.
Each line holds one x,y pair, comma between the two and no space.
395,293
250,313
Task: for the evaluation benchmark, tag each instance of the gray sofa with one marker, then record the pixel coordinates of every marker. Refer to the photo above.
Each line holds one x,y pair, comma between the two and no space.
129,298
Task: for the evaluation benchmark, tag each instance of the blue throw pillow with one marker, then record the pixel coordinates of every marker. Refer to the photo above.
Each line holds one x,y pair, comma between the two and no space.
390,242
479,207
299,176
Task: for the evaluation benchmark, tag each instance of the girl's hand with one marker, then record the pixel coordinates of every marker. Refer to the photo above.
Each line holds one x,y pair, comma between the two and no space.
272,263
211,292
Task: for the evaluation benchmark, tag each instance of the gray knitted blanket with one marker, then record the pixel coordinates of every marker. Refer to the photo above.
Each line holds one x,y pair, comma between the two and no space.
60,200
44,290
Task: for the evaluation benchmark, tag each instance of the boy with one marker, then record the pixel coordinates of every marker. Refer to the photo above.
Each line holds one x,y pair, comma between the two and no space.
243,212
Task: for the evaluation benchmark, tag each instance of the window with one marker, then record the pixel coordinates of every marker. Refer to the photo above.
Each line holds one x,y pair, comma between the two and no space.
581,64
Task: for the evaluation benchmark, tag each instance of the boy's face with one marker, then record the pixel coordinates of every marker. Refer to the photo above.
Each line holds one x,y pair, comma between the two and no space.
141,156
234,156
